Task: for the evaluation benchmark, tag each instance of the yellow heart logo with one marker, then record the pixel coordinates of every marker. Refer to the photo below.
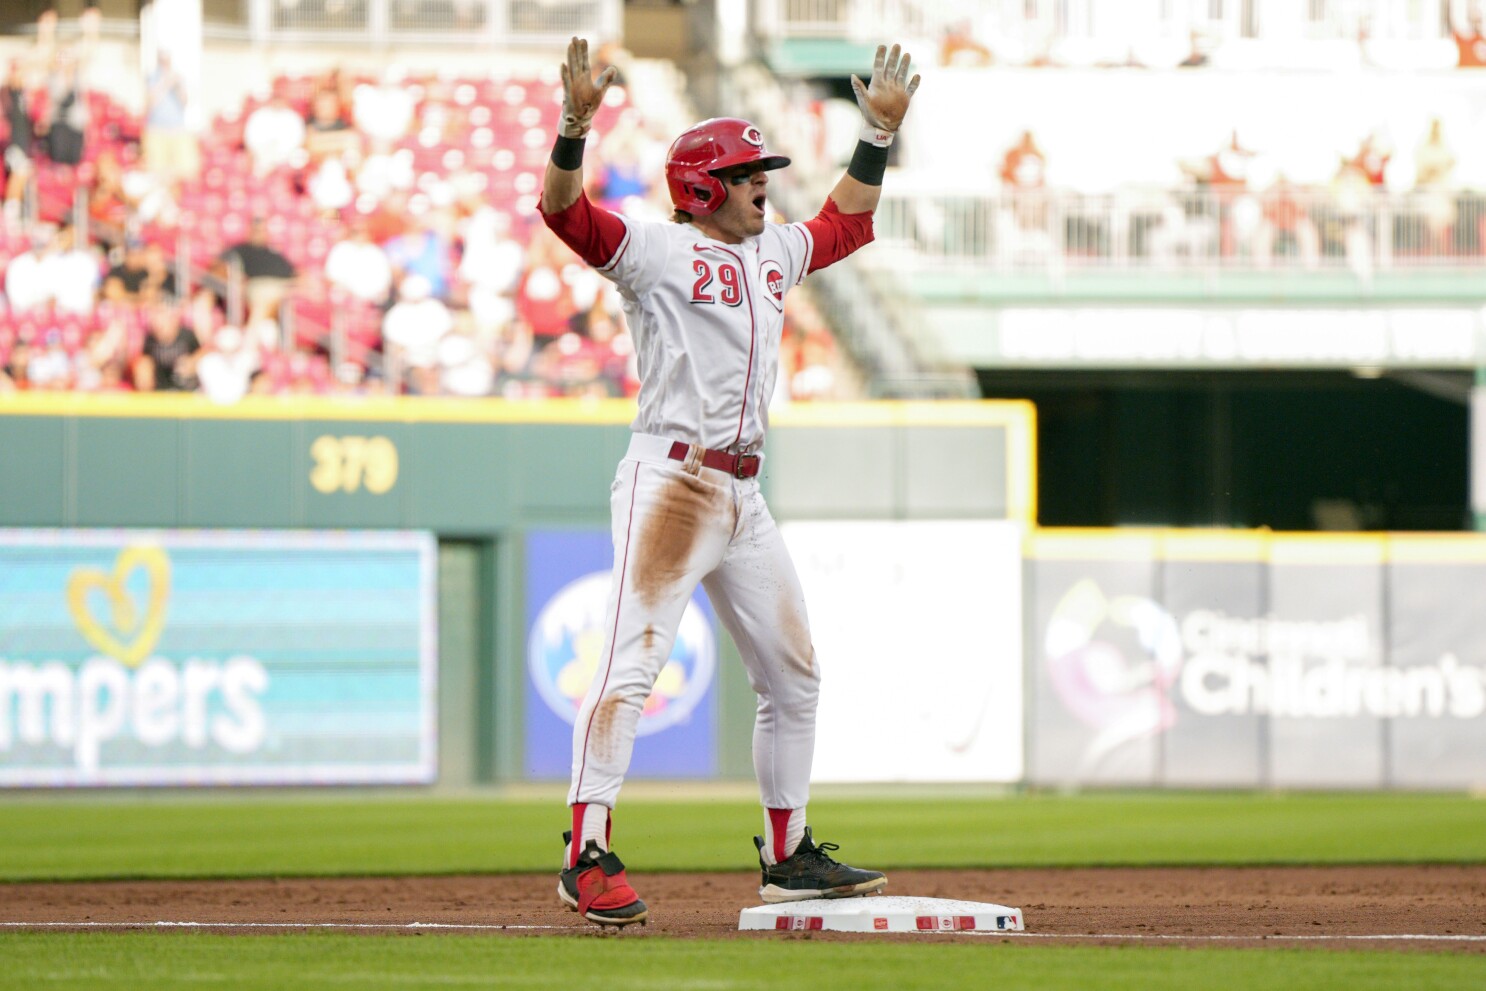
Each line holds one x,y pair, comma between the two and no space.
114,639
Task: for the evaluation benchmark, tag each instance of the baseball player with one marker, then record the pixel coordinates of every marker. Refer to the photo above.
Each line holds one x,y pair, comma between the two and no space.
704,298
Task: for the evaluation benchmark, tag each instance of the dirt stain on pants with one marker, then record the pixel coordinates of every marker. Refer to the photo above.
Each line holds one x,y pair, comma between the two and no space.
669,534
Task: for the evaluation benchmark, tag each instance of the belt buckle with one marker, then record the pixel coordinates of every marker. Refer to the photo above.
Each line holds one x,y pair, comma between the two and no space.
738,465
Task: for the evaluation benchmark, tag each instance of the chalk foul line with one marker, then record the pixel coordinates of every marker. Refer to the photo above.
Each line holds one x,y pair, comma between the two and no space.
1271,937
267,925
497,927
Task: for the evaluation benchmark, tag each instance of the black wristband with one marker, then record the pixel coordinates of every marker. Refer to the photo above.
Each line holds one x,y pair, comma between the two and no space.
868,164
567,154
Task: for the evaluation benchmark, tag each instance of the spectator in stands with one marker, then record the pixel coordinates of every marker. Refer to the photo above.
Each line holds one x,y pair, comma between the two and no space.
958,47
624,173
168,360
1434,181
490,266
1022,218
382,113
227,366
1372,159
543,299
1197,56
43,49
25,285
330,186
169,148
512,354
465,367
107,203
611,53
50,366
1352,193
15,102
124,281
1024,166
1470,41
99,363
71,274
65,119
273,134
269,275
159,279
424,251
14,378
1286,227
327,132
357,265
413,328
1222,180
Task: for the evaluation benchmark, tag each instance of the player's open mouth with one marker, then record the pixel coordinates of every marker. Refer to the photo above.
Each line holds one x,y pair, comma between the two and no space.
758,202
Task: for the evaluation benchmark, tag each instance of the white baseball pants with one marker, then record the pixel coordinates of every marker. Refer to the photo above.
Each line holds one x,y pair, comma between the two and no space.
676,524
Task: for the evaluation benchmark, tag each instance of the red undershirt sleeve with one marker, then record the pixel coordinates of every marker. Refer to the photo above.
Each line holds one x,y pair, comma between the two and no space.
593,232
837,234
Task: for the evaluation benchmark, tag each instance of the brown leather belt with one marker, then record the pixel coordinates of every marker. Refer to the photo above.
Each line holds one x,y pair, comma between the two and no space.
737,465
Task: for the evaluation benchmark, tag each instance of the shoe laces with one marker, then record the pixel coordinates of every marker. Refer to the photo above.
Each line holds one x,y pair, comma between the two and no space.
821,852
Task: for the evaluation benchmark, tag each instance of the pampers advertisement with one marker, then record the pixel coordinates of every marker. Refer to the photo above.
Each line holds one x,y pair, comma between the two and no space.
567,591
141,657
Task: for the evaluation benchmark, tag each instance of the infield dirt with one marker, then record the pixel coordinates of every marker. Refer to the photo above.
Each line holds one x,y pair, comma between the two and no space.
1239,906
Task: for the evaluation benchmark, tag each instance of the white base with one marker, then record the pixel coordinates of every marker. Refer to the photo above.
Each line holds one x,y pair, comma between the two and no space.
883,913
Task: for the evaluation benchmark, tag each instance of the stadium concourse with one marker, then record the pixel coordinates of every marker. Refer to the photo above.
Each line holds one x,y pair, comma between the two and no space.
339,233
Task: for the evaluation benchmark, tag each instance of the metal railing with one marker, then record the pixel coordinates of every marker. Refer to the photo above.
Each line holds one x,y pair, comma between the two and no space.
380,22
1032,22
1164,230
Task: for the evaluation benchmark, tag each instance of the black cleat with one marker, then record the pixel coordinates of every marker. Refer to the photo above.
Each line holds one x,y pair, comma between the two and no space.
811,873
596,888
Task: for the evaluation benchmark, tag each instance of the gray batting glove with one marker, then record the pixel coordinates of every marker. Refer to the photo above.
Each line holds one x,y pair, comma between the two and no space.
885,100
582,95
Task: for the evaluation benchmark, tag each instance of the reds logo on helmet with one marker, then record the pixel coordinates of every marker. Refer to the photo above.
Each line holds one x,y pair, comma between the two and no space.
705,149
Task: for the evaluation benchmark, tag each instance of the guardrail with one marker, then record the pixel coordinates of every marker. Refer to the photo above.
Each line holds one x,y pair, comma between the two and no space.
1159,230
1030,23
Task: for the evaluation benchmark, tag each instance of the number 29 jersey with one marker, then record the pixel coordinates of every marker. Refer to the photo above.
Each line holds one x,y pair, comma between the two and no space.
706,318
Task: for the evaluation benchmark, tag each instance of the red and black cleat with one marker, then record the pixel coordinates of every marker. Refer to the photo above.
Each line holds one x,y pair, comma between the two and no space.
596,888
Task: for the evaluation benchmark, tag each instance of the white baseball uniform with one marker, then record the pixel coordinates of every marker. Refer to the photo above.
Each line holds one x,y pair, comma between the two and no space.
706,317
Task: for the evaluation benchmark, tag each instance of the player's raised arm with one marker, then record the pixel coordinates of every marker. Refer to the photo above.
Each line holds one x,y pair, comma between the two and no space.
844,224
884,102
582,95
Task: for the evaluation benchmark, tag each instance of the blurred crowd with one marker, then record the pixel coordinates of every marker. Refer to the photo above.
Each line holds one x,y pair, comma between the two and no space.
1221,212
337,234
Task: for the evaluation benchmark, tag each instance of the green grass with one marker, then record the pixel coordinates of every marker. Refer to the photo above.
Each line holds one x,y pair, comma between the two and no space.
79,837
127,962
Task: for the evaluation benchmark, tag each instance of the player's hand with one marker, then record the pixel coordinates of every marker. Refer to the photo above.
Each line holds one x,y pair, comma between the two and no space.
885,100
582,95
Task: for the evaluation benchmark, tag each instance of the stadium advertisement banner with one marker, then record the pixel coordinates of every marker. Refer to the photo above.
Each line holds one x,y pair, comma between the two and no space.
917,627
164,657
1249,659
567,592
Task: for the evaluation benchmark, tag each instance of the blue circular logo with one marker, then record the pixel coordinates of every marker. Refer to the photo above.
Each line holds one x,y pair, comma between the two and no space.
565,652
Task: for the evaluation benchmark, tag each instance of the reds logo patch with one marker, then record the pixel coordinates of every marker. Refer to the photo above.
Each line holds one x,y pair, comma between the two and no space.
773,279
753,136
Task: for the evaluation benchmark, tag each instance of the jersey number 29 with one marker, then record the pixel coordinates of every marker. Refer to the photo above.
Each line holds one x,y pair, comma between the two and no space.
727,275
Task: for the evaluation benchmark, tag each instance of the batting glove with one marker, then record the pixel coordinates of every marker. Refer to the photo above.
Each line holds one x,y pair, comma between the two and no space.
582,95
885,100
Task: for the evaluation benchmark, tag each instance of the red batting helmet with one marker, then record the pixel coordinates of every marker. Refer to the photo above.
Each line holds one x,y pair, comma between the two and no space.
702,150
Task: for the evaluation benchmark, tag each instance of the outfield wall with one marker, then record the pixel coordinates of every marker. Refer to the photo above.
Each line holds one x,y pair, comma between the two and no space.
412,592
98,644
